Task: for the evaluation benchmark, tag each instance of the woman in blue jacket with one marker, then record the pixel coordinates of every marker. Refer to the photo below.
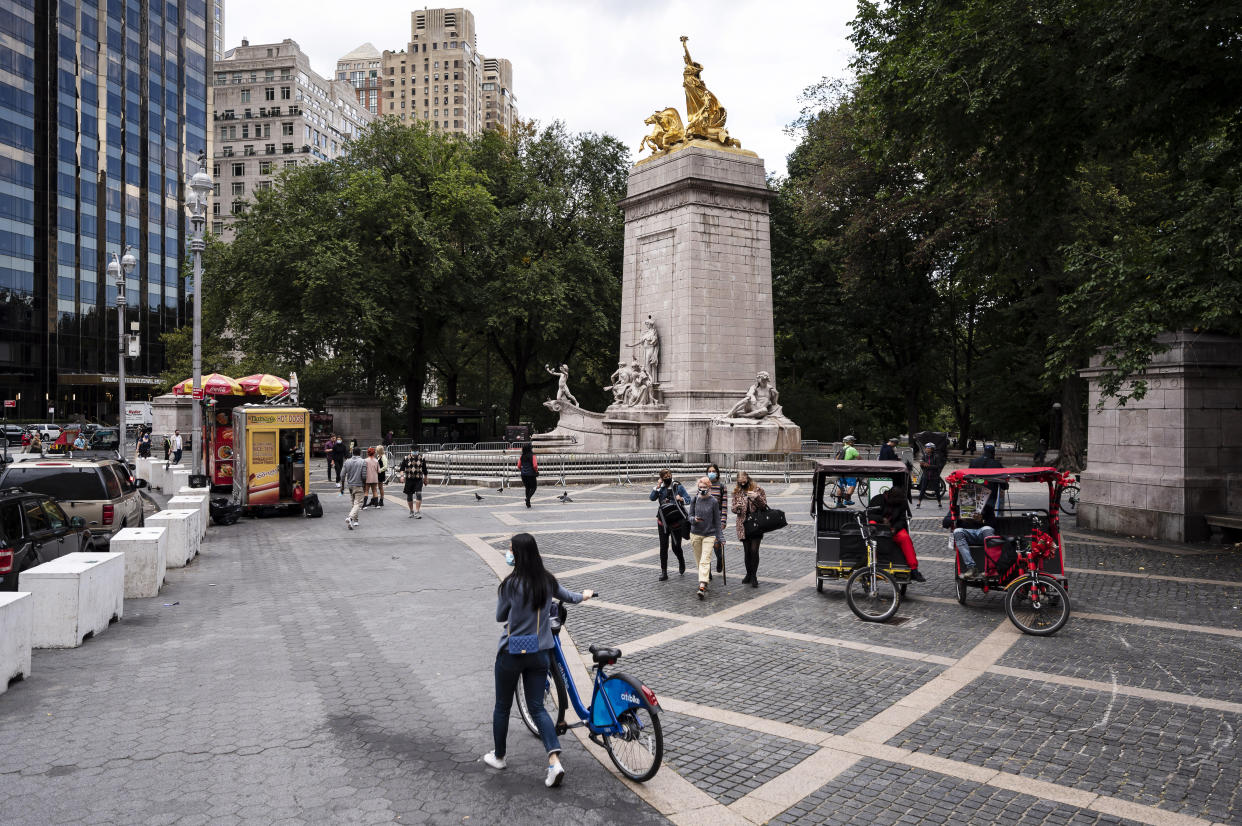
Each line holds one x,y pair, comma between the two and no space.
523,602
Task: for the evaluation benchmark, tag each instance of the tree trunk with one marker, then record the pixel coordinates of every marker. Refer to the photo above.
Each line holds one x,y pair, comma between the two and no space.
912,415
450,387
1073,426
415,383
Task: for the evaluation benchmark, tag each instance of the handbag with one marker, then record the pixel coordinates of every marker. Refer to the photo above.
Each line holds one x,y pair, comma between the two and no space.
759,522
526,643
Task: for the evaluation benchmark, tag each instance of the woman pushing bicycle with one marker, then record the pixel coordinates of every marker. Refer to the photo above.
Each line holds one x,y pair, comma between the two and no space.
524,599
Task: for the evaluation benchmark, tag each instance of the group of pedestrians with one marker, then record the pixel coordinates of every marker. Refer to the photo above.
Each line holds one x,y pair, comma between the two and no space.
703,519
365,478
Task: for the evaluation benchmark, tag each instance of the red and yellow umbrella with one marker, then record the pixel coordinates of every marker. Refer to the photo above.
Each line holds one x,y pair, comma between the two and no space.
213,384
264,383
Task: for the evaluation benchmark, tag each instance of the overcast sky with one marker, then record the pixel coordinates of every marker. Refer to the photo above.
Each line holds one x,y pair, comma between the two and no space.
604,66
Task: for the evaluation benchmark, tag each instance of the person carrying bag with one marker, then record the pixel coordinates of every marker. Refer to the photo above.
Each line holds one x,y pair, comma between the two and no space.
671,520
754,519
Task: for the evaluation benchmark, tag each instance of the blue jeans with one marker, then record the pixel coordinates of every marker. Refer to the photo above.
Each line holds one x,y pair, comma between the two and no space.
533,669
961,538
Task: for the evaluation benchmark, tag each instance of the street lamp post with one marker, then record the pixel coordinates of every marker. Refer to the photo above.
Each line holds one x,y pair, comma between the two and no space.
196,205
119,268
839,407
1054,436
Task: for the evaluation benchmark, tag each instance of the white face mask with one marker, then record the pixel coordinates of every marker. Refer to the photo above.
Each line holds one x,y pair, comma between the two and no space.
509,558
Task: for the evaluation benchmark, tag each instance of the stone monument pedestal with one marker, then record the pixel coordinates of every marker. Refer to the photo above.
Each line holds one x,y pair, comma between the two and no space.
1159,464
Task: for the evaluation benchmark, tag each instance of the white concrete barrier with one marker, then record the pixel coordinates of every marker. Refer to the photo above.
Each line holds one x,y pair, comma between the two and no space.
159,467
183,534
16,623
186,490
196,501
74,596
142,468
178,477
146,559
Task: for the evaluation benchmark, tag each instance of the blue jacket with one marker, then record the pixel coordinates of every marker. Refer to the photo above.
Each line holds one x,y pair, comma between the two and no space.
513,609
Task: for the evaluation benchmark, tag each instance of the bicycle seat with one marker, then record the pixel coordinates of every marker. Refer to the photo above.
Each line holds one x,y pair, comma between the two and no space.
604,656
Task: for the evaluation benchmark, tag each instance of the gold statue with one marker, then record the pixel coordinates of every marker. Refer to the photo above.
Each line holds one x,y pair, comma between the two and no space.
705,117
666,132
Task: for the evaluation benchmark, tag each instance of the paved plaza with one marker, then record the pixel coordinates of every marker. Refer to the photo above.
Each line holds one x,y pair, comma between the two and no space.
298,672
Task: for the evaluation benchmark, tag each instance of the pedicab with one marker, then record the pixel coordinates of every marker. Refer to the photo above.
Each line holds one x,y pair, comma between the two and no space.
852,545
1024,555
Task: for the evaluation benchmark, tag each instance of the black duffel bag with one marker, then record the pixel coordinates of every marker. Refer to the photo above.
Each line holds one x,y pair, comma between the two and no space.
676,522
762,521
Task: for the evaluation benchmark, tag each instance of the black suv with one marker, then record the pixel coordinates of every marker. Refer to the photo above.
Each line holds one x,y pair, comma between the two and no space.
33,530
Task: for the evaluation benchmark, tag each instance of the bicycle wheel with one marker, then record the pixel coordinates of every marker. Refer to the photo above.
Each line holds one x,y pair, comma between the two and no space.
1069,500
637,752
861,490
554,701
871,601
942,489
1038,607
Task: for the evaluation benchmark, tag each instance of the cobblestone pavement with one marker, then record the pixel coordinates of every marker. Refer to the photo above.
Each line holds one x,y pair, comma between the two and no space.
301,673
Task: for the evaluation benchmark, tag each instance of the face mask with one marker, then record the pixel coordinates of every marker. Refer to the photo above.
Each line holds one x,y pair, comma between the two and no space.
509,558
703,491
712,476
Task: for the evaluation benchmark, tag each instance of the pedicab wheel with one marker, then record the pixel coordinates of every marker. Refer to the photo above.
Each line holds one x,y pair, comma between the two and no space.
961,590
872,601
638,750
941,489
819,585
902,589
1039,607
1069,500
554,701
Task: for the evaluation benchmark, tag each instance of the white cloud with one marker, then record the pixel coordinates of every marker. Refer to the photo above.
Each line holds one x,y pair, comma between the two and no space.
605,66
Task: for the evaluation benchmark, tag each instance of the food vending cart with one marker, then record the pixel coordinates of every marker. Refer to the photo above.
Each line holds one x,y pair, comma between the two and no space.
270,471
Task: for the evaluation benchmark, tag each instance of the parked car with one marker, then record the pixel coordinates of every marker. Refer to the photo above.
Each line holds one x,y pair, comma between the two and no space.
47,431
35,529
13,434
101,491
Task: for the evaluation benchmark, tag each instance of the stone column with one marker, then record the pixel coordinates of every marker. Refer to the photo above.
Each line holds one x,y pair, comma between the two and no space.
356,416
698,260
1157,465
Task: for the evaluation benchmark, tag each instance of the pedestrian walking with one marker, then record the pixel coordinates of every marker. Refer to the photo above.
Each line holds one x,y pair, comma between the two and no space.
528,469
327,454
388,442
930,466
339,452
144,444
381,457
176,447
523,602
669,490
353,476
414,467
888,451
167,448
721,495
748,497
372,480
704,525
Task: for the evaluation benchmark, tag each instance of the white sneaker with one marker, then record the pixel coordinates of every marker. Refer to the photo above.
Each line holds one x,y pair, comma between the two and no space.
556,773
411,516
349,523
417,515
495,762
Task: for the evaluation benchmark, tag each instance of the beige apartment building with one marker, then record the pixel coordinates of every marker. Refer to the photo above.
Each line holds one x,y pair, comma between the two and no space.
440,78
272,112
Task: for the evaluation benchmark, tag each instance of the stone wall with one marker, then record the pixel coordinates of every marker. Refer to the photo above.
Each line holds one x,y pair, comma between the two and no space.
355,416
1158,464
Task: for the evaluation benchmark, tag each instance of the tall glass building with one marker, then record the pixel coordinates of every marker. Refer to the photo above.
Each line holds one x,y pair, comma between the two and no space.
102,105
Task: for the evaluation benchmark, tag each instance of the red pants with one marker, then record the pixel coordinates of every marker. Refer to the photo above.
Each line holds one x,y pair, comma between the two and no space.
903,540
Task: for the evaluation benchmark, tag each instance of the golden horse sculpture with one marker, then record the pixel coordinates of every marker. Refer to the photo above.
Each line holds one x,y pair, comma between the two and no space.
705,117
667,132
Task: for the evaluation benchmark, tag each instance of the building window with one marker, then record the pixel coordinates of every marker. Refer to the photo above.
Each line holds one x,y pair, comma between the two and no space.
215,187
284,93
217,227
290,164
239,187
287,148
239,169
269,93
270,149
245,95
265,168
215,208
215,172
238,207
263,186
284,74
286,128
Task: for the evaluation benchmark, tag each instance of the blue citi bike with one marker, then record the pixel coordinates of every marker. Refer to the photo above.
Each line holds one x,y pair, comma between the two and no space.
623,716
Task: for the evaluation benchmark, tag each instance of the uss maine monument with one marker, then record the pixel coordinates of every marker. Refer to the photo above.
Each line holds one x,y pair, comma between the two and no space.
696,371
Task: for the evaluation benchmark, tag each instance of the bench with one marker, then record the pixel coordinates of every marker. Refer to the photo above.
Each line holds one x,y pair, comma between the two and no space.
1219,522
16,622
146,559
183,534
74,597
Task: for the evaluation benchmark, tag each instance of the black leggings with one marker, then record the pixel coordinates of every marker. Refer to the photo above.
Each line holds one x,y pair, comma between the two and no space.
665,539
530,483
750,553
